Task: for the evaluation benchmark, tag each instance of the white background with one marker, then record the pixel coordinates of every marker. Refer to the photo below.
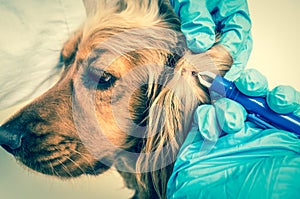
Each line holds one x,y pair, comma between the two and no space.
276,54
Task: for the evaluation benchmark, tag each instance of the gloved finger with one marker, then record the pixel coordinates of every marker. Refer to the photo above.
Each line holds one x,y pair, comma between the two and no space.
224,115
205,117
196,24
240,61
283,99
235,25
252,83
297,112
230,115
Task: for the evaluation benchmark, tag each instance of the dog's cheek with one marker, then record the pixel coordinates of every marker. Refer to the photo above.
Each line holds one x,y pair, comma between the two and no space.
122,114
110,122
138,106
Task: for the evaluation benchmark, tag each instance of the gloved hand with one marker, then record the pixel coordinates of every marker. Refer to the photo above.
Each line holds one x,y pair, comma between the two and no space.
201,20
225,157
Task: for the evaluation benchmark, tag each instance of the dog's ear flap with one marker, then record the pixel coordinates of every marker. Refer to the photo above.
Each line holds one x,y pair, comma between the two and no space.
90,6
221,58
70,47
168,14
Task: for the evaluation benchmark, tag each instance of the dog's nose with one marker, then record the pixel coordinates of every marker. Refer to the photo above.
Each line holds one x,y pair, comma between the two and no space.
9,139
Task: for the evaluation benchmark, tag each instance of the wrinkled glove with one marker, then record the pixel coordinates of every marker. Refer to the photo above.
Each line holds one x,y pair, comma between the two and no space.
225,156
202,20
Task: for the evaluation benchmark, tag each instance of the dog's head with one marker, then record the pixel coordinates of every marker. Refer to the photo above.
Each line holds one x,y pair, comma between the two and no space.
125,97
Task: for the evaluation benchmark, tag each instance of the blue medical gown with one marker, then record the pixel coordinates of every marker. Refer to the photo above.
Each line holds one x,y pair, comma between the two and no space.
252,163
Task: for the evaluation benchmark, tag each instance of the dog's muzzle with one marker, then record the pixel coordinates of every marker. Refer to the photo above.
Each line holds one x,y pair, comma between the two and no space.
10,141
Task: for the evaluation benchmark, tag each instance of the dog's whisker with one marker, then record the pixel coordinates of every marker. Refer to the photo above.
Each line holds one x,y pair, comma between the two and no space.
53,169
71,160
84,157
76,164
65,168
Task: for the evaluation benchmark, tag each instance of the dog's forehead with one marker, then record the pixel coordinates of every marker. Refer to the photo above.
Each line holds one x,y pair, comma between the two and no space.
106,60
133,39
101,58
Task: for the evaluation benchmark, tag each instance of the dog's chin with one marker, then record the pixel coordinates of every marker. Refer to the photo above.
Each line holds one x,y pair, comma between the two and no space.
65,170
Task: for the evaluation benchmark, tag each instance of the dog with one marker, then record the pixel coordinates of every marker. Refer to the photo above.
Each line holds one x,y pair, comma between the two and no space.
125,98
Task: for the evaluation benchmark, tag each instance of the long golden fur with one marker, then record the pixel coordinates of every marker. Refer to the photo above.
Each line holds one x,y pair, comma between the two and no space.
125,98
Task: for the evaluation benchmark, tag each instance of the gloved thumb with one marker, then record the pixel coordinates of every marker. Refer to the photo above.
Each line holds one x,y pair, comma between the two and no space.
231,115
284,99
252,83
224,115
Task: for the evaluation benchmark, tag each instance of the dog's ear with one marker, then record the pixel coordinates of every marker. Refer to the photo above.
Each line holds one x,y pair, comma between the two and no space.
70,47
168,15
90,6
221,58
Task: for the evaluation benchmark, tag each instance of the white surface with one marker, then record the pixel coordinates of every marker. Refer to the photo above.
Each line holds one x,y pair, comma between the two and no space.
275,54
276,30
30,51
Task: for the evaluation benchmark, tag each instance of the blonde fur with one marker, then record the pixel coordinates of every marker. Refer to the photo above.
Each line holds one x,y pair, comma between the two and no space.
147,111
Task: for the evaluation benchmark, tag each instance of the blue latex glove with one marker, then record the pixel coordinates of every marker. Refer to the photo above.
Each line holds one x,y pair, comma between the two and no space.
225,157
201,18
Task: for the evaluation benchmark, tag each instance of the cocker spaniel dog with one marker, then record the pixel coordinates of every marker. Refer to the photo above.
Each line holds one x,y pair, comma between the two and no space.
125,98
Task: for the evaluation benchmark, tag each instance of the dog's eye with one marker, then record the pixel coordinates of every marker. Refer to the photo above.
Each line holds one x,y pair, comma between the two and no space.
99,79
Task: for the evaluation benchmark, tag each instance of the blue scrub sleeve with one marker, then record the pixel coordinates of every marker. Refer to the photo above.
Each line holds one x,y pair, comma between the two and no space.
252,163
